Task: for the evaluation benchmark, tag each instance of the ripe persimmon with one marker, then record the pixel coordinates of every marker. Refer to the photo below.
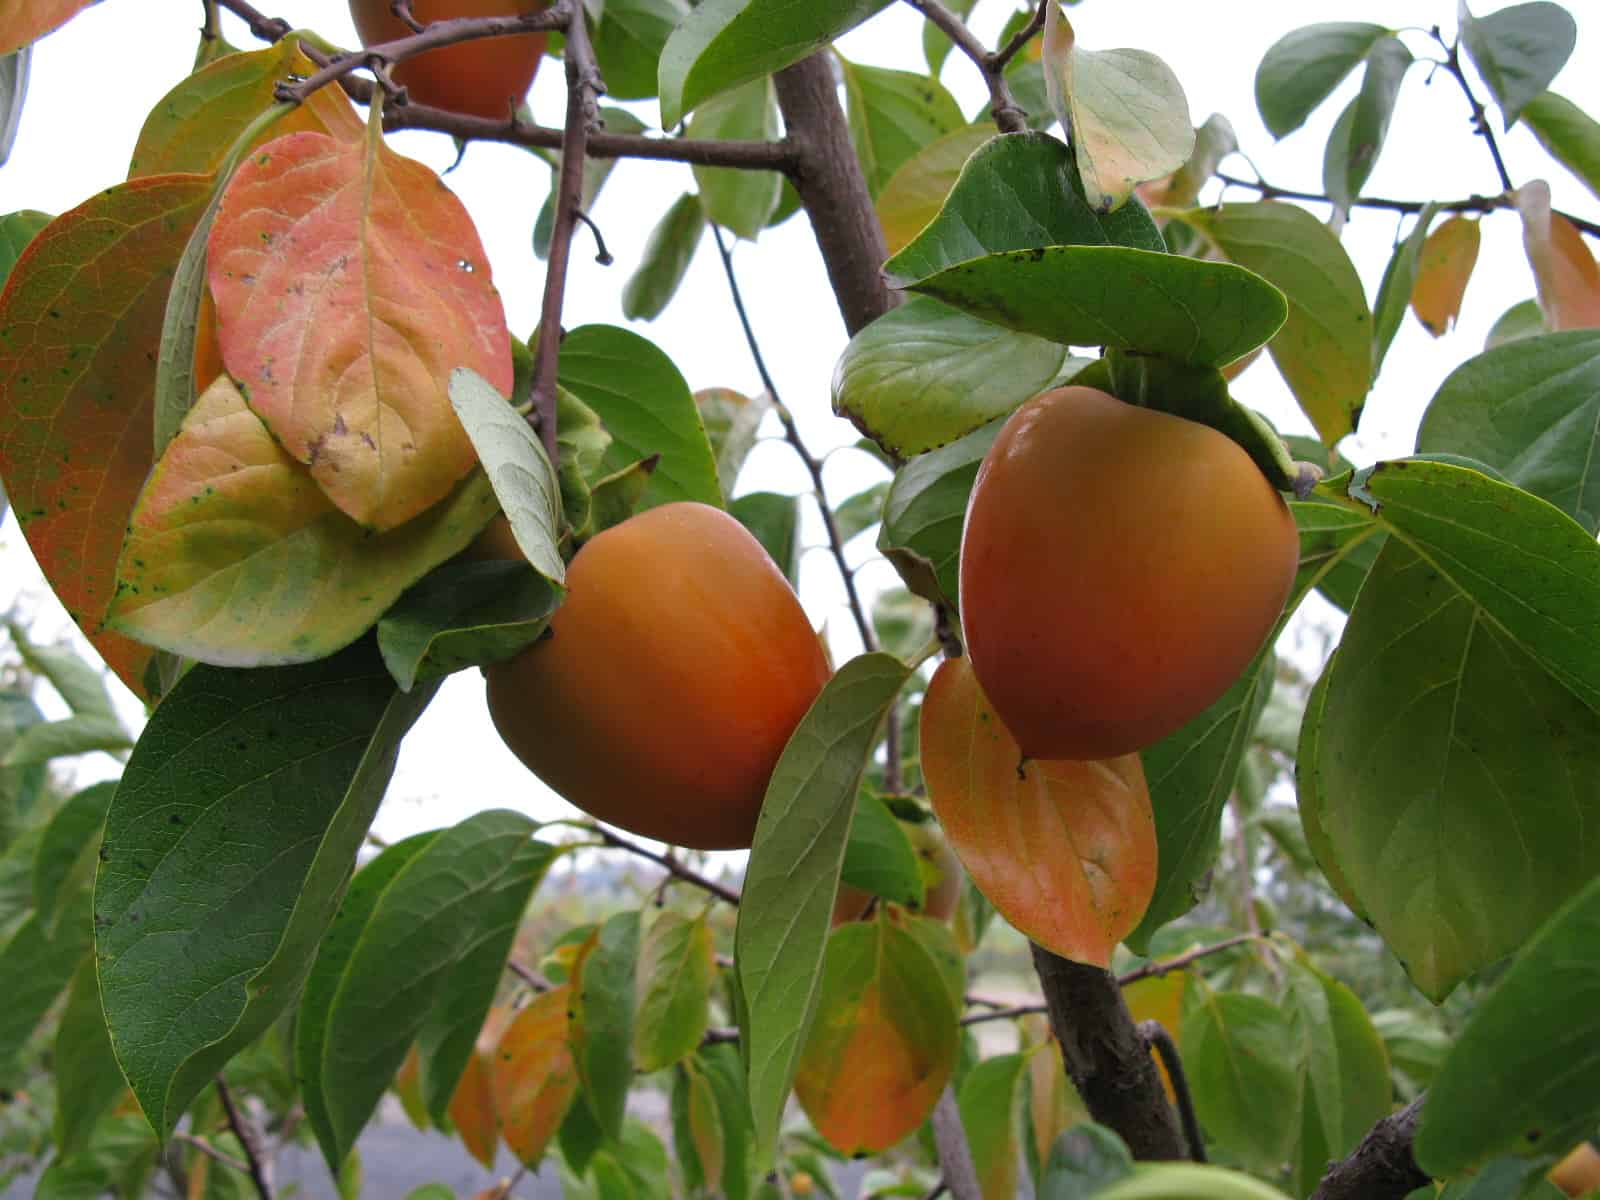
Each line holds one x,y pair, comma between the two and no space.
1120,567
486,77
677,668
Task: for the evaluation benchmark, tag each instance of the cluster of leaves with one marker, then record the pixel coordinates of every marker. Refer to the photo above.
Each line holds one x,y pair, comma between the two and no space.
280,329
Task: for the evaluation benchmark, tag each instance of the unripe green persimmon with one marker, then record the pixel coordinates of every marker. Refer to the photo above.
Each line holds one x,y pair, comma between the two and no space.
675,672
1120,567
486,77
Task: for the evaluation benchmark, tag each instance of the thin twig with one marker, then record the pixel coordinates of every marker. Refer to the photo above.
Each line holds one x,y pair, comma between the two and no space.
1480,119
721,891
1008,116
1477,204
939,1189
528,976
263,27
791,434
1022,37
211,1152
1156,1036
583,114
1168,965
719,1036
248,1140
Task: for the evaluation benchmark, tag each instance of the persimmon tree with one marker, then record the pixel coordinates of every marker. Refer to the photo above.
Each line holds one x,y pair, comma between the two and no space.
260,403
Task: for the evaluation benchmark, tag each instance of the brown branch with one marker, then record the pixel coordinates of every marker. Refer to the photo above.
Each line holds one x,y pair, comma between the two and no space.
583,114
249,1139
1480,119
1477,204
1106,1057
211,1152
1003,107
1382,1167
960,1176
828,177
791,433
263,27
676,868
528,976
1160,1041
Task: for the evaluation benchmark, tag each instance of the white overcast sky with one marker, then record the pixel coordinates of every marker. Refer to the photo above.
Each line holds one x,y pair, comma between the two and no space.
93,81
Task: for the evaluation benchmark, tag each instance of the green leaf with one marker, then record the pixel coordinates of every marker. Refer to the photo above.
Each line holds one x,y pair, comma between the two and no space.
924,374
464,614
774,520
936,46
118,1158
78,682
1358,136
1520,1078
903,622
917,190
1522,320
723,43
1531,410
38,964
424,969
1505,1179
1344,1072
327,972
1482,592
1200,313
743,201
1239,1052
676,966
879,857
1301,69
75,827
723,1070
628,42
1017,192
732,421
924,511
520,472
1126,109
603,1019
16,231
893,115
1571,135
856,514
990,1102
1084,1160
1337,550
1188,1181
1519,50
1324,348
88,1083
13,91
1394,293
666,259
1190,775
793,873
227,847
647,407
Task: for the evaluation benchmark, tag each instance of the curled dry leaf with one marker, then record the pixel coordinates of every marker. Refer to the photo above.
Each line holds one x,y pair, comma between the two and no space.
1443,269
1564,270
1065,850
349,283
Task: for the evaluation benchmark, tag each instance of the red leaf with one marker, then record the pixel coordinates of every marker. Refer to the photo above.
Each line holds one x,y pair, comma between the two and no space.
1064,850
1565,271
80,321
349,284
472,1111
25,21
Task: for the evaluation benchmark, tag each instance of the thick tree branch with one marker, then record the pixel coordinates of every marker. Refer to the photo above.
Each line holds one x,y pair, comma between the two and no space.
1382,1167
1107,1058
583,113
834,192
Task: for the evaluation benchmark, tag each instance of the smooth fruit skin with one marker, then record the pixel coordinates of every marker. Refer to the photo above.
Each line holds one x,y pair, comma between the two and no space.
679,665
1578,1174
486,77
1120,567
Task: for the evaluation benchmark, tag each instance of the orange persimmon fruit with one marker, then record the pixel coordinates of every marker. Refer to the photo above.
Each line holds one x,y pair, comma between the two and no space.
1120,567
676,669
486,77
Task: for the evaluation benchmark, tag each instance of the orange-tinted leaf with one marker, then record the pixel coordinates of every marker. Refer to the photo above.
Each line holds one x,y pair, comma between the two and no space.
349,284
80,321
883,1043
1064,850
1563,268
207,352
917,189
1443,269
235,557
1158,998
705,1122
197,122
1054,1105
25,21
408,1086
472,1111
533,1075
